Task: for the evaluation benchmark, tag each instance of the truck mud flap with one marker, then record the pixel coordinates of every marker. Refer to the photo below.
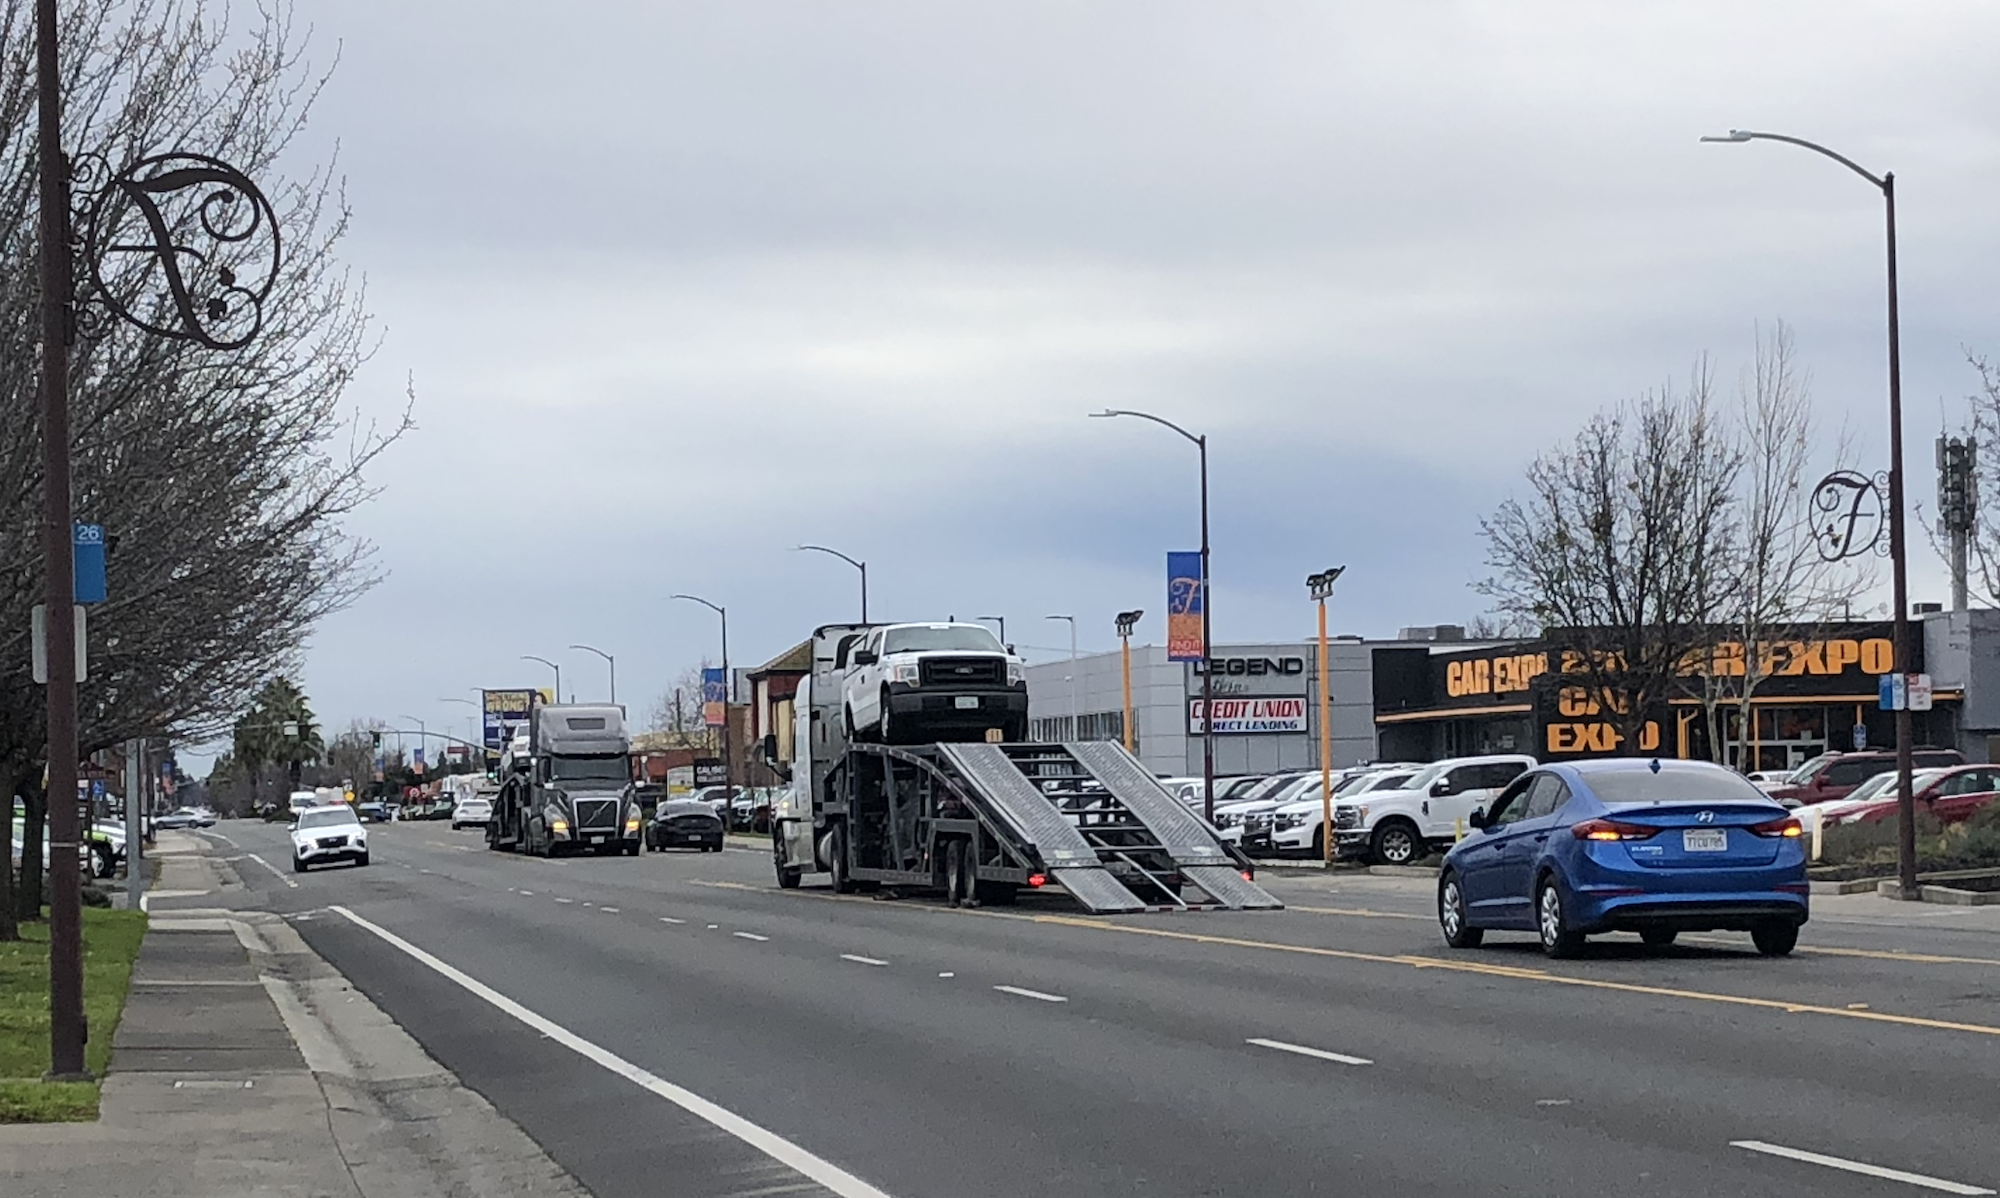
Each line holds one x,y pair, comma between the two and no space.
1025,808
1226,885
1185,836
1097,890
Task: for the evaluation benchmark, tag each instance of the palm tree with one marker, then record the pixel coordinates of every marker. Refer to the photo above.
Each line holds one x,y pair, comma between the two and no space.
279,727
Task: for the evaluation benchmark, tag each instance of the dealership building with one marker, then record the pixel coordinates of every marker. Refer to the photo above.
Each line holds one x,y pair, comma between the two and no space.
1430,693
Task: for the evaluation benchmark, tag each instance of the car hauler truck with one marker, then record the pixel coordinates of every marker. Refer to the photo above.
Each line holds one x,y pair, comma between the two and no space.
566,784
979,819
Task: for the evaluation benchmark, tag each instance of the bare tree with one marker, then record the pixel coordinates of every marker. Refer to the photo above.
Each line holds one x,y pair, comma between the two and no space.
1983,424
222,478
1611,552
678,712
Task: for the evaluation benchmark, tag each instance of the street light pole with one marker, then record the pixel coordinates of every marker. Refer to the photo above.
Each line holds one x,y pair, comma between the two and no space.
859,565
1200,443
1075,710
423,738
728,748
553,666
610,661
1906,809
66,1020
1001,621
1126,621
1320,587
472,721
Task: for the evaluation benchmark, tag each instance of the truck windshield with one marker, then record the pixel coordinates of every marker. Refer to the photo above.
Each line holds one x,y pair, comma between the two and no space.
940,636
590,769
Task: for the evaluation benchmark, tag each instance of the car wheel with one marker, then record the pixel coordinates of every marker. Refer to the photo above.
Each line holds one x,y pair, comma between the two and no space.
1319,843
361,860
1552,921
1775,939
298,864
1658,937
101,861
1396,842
1458,932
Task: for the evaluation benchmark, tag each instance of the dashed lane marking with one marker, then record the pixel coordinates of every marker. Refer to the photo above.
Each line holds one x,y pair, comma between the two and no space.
825,1172
862,960
278,873
1861,1167
671,919
749,936
1034,994
609,910
1338,1058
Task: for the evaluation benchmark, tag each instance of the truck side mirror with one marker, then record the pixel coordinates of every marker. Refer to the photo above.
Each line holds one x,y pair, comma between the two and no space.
1441,788
770,746
865,657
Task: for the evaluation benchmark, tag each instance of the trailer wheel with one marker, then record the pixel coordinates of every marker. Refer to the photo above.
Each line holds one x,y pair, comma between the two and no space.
836,864
954,872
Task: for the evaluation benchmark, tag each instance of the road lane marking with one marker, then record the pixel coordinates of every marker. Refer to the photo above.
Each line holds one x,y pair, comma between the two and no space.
862,960
1035,994
1834,1162
779,1149
528,893
1364,912
749,936
609,910
1338,1058
671,919
280,874
1873,954
564,900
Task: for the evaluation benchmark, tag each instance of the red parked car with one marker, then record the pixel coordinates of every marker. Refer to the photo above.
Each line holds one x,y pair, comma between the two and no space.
1952,797
1832,775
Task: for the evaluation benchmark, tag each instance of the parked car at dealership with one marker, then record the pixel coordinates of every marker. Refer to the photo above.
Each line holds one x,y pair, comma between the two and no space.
1832,775
1429,811
1300,825
1812,816
1648,845
1950,796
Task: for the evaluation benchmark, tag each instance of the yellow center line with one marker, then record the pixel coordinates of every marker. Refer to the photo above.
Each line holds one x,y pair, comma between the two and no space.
1512,972
1871,953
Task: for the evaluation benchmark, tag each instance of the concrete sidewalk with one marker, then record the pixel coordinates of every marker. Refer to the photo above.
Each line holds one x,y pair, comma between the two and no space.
245,1065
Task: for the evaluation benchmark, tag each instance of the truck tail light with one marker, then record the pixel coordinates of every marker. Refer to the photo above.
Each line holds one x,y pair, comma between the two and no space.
1038,880
1611,829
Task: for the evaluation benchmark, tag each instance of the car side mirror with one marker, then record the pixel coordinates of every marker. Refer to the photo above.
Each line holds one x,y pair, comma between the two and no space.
1477,819
865,658
1440,788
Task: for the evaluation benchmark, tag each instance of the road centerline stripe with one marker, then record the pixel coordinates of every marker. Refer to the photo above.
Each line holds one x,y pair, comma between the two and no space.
749,936
671,919
609,910
1861,1167
859,960
1035,994
1339,1058
278,873
779,1149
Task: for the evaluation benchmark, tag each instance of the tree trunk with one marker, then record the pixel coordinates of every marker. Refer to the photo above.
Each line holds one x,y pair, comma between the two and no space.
29,909
10,928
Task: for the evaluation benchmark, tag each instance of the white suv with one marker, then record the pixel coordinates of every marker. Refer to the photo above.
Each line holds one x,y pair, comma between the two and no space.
1431,810
911,682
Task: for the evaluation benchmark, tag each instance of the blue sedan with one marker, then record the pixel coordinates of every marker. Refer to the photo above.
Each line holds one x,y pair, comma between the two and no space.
1644,845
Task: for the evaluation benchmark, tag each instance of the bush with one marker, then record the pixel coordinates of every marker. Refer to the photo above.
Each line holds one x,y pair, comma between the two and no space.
1868,850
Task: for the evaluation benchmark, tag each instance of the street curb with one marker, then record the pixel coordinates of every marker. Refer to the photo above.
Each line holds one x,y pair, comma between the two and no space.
1404,871
1850,886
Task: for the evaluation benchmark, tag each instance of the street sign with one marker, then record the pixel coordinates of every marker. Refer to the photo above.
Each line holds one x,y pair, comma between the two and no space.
87,554
1892,692
1860,737
1918,689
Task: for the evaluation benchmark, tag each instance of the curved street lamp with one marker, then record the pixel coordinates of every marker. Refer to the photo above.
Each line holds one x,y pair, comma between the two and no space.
859,565
610,661
553,666
1200,443
728,762
1898,561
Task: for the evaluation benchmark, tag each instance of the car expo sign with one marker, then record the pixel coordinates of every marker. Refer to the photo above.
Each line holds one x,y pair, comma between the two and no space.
1285,713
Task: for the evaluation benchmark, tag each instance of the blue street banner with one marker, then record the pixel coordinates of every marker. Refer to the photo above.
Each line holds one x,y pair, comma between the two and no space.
88,551
1184,608
714,699
417,760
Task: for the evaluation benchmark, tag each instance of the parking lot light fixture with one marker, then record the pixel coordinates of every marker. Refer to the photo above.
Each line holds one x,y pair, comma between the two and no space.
1320,587
1127,620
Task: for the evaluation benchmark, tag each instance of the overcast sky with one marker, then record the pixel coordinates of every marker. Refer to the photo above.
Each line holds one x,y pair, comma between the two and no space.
682,285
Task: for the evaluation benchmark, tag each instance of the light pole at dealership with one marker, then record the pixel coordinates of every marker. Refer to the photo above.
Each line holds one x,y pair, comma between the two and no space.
1320,587
1127,620
1200,443
1906,811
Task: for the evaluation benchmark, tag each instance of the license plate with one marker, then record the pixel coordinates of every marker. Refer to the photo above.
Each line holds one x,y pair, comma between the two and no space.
599,838
967,702
1705,840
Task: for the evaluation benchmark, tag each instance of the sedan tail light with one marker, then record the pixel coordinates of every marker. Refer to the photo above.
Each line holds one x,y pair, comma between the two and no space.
1789,828
1611,829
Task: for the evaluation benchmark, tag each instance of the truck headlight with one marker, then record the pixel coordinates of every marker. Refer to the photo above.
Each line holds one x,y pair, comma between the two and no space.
631,823
1016,673
907,674
559,826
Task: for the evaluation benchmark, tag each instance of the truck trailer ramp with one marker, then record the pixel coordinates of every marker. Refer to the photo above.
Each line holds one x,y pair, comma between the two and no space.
1185,836
1072,862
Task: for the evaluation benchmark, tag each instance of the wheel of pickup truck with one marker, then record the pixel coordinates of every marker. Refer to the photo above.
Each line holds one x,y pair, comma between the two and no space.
1396,842
882,727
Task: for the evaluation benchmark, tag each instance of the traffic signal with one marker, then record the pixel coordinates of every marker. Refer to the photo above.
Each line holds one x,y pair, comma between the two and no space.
376,739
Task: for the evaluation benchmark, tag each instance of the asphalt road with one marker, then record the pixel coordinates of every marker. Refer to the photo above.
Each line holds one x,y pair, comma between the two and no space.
674,1023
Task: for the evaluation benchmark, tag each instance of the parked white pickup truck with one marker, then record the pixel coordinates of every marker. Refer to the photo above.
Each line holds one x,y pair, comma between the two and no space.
910,683
1397,827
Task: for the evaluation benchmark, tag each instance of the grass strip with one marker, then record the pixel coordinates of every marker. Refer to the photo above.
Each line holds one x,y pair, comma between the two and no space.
110,946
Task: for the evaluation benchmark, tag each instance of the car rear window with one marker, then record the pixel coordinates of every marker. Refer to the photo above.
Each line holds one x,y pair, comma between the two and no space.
1673,783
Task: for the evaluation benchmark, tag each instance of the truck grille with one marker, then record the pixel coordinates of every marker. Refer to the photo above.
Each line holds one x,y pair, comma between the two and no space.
597,815
962,671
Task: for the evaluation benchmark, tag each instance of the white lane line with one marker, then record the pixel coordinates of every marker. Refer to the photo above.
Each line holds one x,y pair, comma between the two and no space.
609,910
1336,1057
528,893
862,960
564,900
671,919
1037,994
779,1149
1834,1162
748,936
274,869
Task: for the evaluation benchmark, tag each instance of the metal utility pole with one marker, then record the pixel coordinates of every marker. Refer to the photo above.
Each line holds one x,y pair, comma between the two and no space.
67,1030
1898,547
1958,505
1320,587
610,661
1075,706
728,747
859,565
553,666
1127,620
1200,443
1001,621
135,804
